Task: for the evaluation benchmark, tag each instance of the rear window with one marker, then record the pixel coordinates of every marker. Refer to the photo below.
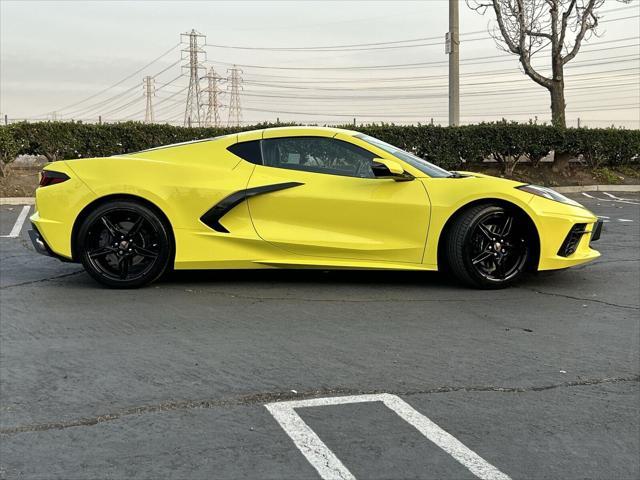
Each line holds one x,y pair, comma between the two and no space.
249,151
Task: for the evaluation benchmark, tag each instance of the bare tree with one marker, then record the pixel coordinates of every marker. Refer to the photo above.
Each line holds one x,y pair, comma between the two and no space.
557,27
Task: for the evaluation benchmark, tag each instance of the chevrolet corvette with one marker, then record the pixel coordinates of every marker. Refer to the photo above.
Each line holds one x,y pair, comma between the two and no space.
300,197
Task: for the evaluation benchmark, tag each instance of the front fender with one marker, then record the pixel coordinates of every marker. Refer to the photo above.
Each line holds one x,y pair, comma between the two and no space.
450,195
551,219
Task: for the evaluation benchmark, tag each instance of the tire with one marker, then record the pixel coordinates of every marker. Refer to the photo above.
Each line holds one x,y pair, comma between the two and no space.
125,244
487,247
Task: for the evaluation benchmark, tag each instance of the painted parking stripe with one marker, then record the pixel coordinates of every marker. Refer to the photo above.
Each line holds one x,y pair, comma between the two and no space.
617,199
17,227
624,220
587,195
329,466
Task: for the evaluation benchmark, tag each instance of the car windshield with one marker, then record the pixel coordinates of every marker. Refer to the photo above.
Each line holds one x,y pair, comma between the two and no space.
421,164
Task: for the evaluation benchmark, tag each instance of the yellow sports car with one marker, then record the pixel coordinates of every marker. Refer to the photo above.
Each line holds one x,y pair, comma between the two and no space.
300,197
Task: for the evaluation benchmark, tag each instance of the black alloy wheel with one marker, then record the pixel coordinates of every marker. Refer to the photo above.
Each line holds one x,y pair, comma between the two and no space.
487,247
124,244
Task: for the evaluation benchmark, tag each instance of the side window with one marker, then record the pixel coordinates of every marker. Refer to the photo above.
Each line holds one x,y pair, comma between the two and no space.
249,151
318,154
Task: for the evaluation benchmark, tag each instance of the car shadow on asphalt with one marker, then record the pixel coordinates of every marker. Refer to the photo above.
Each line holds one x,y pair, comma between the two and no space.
311,277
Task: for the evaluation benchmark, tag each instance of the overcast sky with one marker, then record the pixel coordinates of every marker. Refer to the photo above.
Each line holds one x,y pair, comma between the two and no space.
54,54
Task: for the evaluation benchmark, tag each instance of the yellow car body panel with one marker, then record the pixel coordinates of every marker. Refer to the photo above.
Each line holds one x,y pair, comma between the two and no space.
328,221
356,221
553,220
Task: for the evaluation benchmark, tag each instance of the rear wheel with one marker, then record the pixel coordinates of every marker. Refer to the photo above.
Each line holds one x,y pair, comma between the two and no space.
487,247
124,244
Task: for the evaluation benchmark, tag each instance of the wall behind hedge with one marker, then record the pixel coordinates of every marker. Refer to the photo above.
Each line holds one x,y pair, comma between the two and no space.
449,147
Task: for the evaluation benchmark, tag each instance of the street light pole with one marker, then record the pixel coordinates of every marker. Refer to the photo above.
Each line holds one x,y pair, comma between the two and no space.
453,49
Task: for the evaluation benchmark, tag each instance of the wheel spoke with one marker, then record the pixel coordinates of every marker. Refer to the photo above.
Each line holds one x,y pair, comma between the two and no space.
124,266
485,231
135,228
506,229
113,230
144,252
101,252
482,257
499,271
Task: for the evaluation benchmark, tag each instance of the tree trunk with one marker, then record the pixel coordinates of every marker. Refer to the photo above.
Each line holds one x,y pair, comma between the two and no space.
560,158
558,105
4,168
560,161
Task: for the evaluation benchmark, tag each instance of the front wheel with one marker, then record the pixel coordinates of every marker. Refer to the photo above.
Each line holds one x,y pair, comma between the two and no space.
487,247
124,244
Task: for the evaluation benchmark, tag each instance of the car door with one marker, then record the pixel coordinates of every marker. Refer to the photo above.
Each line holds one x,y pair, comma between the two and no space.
324,200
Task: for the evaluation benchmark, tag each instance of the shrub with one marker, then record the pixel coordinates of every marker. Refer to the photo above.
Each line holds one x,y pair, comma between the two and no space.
9,149
450,147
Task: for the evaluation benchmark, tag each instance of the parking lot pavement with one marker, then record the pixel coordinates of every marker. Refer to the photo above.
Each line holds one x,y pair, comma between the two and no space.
537,381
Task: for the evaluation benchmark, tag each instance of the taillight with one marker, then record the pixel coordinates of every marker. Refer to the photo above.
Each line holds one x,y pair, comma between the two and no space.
49,177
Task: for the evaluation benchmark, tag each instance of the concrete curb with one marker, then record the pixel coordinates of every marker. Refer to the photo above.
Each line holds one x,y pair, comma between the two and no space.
17,201
570,189
598,188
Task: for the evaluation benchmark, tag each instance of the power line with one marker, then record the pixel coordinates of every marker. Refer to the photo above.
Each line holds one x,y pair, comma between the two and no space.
84,110
267,94
376,45
368,78
160,102
121,81
580,78
437,43
624,106
93,108
469,61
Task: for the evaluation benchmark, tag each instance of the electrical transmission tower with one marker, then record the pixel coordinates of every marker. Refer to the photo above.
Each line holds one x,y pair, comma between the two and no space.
192,110
235,111
212,117
149,87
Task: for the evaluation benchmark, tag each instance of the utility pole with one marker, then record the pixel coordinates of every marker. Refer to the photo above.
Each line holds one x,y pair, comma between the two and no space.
212,117
235,110
453,49
192,109
149,88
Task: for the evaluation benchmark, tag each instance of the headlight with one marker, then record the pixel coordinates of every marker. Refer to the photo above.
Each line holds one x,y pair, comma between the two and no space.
548,193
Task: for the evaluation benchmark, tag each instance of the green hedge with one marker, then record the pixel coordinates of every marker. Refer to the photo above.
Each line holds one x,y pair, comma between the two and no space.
450,147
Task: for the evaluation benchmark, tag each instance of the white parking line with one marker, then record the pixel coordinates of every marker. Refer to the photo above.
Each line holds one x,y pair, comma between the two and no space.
330,467
17,227
624,220
587,195
617,199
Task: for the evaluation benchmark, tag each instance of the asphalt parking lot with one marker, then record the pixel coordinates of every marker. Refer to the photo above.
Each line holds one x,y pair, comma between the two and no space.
187,378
